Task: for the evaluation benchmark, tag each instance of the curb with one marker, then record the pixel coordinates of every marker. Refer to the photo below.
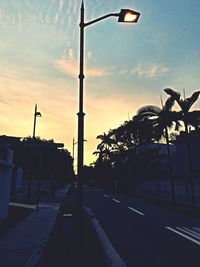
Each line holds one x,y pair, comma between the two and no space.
109,255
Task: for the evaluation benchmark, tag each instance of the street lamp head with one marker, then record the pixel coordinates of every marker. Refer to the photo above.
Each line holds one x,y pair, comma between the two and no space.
38,114
128,16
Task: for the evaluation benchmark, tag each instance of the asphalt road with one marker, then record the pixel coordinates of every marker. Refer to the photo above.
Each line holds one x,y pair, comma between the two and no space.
144,234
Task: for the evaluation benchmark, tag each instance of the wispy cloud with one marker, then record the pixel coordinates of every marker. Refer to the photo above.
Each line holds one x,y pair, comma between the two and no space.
47,19
89,55
19,15
56,18
61,5
151,71
71,17
60,9
19,95
75,6
147,70
69,65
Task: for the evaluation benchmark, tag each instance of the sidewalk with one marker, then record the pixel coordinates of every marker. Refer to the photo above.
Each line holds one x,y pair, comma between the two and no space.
23,246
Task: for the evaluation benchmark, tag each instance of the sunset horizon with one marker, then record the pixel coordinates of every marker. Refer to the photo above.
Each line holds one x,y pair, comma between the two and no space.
126,66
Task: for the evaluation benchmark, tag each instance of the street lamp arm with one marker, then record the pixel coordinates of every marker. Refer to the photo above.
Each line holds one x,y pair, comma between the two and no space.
101,18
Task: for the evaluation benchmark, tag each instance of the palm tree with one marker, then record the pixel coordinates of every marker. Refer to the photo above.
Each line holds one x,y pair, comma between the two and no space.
103,155
124,136
105,149
189,118
192,118
106,141
161,119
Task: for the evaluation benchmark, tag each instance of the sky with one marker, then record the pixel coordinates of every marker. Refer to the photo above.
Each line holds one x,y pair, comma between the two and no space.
127,66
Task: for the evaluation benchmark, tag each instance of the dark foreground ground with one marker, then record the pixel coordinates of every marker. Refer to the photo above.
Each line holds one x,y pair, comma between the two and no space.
64,248
15,216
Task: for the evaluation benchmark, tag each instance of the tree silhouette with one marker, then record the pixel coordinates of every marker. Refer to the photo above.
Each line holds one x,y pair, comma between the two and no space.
185,105
187,118
161,120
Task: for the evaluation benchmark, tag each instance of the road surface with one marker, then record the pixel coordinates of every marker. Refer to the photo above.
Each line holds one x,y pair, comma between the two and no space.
144,234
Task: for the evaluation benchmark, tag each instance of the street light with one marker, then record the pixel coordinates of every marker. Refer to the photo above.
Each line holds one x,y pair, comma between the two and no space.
36,114
127,16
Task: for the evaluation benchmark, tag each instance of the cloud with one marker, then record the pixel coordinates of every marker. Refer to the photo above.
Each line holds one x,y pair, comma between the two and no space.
60,9
61,5
71,54
69,65
89,55
17,99
19,15
75,7
149,71
56,18
47,19
97,72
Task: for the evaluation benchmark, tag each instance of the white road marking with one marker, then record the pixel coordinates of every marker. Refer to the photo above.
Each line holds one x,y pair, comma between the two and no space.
115,200
183,235
137,211
28,206
106,195
197,229
192,230
189,232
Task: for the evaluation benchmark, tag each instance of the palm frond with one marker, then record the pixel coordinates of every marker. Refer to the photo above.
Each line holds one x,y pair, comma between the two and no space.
100,137
96,153
169,104
148,110
173,93
191,100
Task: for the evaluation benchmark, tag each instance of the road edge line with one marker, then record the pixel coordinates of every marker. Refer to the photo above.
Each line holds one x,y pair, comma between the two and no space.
109,254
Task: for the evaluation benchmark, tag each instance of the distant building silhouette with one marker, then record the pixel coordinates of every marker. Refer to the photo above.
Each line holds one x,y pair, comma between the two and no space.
39,158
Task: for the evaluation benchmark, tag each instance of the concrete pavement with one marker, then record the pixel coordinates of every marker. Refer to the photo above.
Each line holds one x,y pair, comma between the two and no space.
24,244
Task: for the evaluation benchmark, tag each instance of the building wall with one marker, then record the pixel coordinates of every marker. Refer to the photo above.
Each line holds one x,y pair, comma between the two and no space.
6,166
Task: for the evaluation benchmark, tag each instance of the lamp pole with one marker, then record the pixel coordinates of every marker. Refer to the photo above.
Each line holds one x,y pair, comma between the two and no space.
36,114
73,146
127,16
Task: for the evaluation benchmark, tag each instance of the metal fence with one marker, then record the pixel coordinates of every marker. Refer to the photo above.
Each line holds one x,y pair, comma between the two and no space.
160,189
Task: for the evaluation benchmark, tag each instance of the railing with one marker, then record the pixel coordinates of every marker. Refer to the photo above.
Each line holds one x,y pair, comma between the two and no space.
160,190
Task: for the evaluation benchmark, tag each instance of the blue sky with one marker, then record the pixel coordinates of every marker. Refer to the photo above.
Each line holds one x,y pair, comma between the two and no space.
127,66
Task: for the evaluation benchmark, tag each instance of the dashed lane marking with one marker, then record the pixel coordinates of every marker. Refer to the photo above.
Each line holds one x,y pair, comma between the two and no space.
137,211
115,200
